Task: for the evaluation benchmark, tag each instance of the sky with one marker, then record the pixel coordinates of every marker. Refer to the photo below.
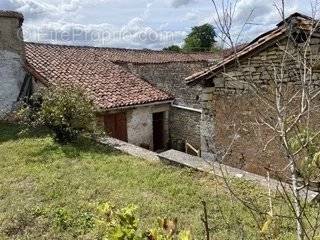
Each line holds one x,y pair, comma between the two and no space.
152,24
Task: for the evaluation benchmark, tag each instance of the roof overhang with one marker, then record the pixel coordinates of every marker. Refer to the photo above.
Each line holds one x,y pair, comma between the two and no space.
169,102
300,22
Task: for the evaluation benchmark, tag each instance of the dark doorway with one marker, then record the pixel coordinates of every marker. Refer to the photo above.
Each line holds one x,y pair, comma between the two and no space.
158,131
116,126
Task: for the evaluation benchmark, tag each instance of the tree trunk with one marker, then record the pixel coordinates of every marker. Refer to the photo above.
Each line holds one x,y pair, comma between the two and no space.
296,202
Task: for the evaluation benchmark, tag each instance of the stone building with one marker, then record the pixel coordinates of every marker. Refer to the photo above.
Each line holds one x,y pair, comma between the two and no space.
140,95
12,59
185,111
226,101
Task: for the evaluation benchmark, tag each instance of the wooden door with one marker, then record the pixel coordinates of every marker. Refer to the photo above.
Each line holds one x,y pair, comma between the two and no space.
158,131
116,126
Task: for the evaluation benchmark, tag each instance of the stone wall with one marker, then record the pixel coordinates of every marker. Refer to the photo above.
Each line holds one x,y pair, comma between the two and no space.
170,77
260,67
12,58
229,110
184,126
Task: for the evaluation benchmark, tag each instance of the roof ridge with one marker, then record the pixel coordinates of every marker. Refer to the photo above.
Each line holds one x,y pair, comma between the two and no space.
118,49
294,15
253,45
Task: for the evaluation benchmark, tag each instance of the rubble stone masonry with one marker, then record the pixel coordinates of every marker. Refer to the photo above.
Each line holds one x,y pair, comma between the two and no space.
229,110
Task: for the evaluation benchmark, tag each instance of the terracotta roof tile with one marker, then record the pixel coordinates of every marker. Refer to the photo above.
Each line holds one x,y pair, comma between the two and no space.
122,55
108,84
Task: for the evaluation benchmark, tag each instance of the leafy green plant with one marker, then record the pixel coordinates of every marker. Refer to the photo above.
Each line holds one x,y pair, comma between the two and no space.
124,225
308,143
62,219
67,113
167,230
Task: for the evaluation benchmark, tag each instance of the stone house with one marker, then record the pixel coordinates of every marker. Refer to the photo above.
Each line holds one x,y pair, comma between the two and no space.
225,100
140,95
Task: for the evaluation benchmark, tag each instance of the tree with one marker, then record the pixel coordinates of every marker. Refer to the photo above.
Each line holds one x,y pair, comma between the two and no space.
66,112
201,39
173,48
285,111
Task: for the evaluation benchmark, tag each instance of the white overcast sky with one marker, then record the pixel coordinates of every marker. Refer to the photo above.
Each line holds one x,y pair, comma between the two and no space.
135,23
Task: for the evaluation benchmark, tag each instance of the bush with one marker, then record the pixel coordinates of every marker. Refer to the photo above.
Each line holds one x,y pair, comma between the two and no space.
67,113
123,224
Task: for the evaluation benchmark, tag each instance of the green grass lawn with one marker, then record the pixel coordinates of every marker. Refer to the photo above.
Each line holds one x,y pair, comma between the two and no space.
43,183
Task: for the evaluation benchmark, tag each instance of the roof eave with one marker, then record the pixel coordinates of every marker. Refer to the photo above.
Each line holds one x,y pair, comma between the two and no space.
28,68
211,72
159,102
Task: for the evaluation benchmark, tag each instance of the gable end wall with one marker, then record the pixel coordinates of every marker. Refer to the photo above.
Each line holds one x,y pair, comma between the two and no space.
227,102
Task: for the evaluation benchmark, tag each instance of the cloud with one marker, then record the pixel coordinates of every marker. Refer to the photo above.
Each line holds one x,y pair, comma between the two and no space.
135,34
254,17
33,9
137,24
179,3
257,8
191,16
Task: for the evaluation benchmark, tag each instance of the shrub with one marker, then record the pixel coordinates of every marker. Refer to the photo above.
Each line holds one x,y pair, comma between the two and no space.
123,224
67,113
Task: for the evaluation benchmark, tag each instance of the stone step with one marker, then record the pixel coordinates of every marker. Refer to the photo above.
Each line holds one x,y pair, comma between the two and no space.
221,170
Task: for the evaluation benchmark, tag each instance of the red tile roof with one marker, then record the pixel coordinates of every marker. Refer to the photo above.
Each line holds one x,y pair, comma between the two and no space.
123,55
108,84
300,21
151,56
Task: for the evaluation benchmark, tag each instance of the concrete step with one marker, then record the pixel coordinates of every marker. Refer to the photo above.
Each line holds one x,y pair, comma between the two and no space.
221,170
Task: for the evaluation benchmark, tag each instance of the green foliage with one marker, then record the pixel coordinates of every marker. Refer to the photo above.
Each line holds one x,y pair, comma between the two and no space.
67,113
124,225
62,219
117,224
173,48
308,143
168,230
201,39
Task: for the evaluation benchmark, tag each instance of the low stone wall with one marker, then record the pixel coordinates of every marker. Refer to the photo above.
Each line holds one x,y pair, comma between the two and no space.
130,149
184,125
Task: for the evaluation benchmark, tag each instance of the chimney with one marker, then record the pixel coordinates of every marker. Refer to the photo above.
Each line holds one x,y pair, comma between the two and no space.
12,58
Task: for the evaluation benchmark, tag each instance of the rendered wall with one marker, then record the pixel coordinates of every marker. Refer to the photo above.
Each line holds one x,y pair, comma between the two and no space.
140,125
184,125
11,63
